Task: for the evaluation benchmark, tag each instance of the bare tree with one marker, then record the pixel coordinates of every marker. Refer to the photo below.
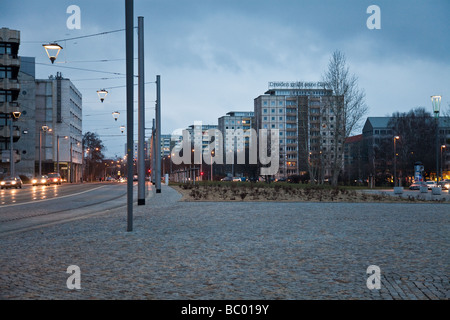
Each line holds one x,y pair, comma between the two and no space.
345,109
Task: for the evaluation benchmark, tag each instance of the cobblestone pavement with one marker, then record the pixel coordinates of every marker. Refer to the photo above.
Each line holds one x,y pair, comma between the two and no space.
235,250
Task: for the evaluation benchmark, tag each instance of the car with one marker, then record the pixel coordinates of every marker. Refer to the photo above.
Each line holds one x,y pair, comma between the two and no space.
431,184
54,178
40,180
237,179
226,179
11,182
445,184
281,180
417,185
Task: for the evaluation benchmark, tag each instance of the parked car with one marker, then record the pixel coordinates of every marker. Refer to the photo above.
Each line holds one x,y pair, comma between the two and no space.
445,184
431,184
417,185
11,182
40,180
54,178
227,179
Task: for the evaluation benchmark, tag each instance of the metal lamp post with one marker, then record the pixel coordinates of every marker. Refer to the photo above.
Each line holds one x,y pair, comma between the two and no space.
436,103
442,173
212,153
395,160
57,151
14,116
44,129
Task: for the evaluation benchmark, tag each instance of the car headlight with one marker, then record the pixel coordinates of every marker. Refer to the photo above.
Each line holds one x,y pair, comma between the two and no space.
34,181
14,182
2,183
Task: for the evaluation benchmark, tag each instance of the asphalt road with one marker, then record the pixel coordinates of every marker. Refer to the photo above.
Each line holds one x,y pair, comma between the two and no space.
32,207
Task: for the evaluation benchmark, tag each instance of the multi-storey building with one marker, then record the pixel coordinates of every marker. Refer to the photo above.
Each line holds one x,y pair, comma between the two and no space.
9,93
59,127
306,125
234,127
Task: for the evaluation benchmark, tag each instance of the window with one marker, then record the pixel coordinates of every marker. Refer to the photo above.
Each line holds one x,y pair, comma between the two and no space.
265,103
273,118
5,72
281,118
273,110
265,118
265,110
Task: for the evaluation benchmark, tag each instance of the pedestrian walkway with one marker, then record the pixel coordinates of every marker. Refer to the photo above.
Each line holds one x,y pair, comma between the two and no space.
235,250
414,194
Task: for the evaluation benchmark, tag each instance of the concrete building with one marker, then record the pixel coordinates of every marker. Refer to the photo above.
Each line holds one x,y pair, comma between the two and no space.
9,94
59,127
234,126
306,126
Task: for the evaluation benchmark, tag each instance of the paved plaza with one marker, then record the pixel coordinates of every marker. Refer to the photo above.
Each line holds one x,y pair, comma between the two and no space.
235,250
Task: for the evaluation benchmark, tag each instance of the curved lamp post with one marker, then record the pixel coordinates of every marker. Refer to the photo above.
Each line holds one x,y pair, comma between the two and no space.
52,50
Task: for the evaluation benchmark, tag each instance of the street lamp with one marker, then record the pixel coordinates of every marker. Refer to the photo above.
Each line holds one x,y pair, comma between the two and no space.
44,129
395,160
212,154
102,94
442,175
14,117
115,115
436,103
122,128
57,151
52,50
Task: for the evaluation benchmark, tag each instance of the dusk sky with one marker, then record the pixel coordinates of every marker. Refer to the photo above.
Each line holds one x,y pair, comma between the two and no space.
216,56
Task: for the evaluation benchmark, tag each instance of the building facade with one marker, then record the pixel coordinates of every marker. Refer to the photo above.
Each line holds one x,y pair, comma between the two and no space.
10,132
59,133
306,125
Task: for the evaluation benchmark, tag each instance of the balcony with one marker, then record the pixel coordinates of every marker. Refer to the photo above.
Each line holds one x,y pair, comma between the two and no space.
6,155
9,107
8,60
9,84
5,133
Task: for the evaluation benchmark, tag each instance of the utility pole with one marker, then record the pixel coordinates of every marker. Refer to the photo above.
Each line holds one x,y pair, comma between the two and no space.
130,86
158,134
141,114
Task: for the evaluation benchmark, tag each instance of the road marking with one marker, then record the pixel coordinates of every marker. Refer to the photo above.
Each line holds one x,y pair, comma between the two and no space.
54,198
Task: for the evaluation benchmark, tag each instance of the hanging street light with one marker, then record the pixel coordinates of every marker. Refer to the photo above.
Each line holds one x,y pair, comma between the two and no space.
52,50
115,115
102,94
122,128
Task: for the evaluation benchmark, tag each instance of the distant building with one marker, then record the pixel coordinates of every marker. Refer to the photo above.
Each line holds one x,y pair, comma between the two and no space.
59,108
299,111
